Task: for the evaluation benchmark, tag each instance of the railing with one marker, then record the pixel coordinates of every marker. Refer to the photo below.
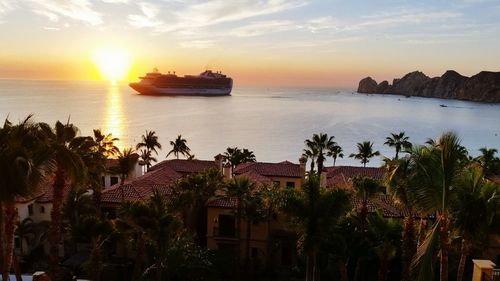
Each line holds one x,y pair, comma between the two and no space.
495,275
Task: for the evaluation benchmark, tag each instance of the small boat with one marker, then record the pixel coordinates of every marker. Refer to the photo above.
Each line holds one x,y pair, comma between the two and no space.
443,105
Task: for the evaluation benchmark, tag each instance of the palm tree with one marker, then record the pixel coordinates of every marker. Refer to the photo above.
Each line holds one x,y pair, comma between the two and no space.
62,146
473,210
154,223
243,190
365,152
335,152
146,159
310,154
151,143
179,146
322,143
387,234
190,196
127,159
488,160
22,168
314,211
235,156
398,141
438,166
400,180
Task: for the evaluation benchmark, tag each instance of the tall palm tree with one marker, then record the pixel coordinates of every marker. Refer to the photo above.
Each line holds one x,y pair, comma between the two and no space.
438,167
322,143
473,210
151,143
314,211
179,146
243,190
365,152
22,168
398,141
69,169
400,180
335,152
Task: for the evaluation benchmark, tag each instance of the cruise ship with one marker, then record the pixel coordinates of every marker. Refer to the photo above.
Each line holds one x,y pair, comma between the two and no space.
207,83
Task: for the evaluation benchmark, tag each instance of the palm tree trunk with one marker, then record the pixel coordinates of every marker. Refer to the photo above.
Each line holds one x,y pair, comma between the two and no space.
466,244
55,225
421,229
5,275
15,266
10,228
95,257
334,160
409,246
247,246
138,260
343,271
444,247
357,270
309,267
383,268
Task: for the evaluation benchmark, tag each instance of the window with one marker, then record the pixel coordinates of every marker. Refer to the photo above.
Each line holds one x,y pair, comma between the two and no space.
103,180
30,209
114,180
42,209
226,226
17,242
255,252
290,184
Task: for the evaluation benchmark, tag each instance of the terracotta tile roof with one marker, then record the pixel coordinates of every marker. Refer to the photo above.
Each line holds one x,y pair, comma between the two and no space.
223,202
340,176
256,178
185,166
283,169
43,194
141,188
381,202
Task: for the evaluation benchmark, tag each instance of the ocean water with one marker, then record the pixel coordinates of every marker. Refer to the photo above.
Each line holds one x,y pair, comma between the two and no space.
273,122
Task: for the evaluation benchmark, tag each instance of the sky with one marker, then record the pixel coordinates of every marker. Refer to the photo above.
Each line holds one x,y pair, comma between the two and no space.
317,43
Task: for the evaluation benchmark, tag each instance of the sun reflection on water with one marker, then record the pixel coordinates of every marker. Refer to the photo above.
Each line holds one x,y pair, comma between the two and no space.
114,114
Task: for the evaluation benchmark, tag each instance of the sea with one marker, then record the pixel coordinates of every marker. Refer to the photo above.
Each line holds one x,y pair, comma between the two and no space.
272,122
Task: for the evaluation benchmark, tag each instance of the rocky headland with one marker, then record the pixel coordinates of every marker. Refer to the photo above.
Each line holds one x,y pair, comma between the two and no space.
482,87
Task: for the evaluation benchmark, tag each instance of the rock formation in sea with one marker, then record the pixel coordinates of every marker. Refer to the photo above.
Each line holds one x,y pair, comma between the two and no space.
482,87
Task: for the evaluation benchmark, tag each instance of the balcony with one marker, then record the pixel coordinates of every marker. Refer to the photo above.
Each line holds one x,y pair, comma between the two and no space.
224,233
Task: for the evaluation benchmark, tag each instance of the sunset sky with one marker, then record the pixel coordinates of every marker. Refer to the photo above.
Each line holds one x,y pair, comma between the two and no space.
325,43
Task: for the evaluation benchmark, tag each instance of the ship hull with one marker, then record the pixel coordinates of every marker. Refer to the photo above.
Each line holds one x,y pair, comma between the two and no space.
147,89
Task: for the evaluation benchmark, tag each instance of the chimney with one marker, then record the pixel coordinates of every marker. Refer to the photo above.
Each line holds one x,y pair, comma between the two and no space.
218,162
302,168
226,172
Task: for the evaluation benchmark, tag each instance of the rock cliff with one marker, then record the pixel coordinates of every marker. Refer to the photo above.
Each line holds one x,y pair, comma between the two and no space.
482,87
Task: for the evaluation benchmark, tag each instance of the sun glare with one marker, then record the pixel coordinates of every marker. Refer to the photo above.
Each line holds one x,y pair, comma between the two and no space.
112,63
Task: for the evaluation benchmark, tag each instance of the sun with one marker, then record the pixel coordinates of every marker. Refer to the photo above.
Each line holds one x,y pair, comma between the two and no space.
112,63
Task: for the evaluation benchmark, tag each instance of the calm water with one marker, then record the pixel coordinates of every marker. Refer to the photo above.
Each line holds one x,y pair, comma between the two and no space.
272,122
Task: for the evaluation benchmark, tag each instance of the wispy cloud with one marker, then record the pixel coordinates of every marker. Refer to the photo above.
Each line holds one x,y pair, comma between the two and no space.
6,6
51,16
319,24
404,17
205,14
80,10
148,17
263,27
198,44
